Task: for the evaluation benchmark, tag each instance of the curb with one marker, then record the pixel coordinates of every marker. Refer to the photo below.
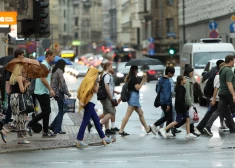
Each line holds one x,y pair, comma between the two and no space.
46,148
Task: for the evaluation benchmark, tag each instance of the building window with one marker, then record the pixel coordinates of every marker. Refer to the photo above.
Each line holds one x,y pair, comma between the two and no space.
170,2
76,21
76,35
64,14
64,27
170,25
156,3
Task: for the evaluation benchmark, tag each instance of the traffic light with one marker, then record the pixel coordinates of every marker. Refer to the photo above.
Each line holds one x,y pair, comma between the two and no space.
41,18
172,51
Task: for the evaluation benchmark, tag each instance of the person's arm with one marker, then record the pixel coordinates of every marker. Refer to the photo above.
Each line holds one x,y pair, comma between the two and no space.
22,85
167,93
188,98
214,96
216,88
46,84
106,84
138,86
63,84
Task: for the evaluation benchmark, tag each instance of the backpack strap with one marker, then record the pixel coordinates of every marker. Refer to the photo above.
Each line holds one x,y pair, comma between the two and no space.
222,70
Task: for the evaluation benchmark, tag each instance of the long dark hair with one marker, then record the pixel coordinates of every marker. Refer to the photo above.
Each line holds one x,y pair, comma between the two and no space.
60,64
179,79
131,73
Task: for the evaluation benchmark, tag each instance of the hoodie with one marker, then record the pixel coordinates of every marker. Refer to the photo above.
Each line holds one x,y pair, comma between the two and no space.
165,93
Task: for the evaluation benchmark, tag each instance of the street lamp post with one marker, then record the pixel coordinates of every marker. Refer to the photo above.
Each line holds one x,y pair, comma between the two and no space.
184,40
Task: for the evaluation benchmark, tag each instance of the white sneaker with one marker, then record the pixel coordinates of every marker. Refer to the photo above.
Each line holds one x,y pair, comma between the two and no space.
169,135
163,132
197,131
190,136
154,129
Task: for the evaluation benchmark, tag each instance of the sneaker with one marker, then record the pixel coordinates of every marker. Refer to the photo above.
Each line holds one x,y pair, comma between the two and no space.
109,132
115,129
177,131
200,130
207,130
23,141
49,135
190,136
154,129
197,131
163,132
169,135
29,131
223,129
195,134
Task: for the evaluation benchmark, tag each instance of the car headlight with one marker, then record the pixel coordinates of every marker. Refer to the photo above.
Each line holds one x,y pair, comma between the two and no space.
140,74
120,75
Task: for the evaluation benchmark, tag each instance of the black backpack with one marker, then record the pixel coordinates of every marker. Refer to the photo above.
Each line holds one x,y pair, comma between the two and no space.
102,93
157,102
125,93
209,87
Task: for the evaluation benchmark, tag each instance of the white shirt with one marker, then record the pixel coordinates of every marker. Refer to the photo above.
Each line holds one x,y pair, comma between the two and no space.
93,98
216,85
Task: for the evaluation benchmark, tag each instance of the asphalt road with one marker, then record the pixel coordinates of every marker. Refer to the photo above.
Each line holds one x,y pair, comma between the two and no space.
137,150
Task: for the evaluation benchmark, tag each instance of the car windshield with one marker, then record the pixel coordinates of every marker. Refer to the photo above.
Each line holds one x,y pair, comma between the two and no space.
200,59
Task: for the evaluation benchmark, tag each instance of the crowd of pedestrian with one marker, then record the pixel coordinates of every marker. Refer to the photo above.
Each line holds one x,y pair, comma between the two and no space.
100,86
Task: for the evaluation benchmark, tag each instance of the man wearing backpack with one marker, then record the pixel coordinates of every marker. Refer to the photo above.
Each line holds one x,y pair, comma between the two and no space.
226,96
209,90
164,89
109,110
212,83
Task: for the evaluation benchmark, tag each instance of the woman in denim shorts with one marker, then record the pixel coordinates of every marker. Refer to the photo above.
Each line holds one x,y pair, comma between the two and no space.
134,103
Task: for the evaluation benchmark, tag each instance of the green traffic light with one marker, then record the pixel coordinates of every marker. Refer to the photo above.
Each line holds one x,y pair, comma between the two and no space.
171,51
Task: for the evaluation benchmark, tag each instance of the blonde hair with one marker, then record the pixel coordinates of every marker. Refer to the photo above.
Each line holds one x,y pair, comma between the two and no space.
15,73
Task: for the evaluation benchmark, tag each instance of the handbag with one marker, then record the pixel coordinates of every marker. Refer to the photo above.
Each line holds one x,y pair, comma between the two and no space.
8,87
26,103
193,115
69,105
114,102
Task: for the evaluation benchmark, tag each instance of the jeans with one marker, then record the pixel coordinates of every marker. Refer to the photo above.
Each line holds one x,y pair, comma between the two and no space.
166,118
90,113
56,124
173,115
224,111
45,104
207,116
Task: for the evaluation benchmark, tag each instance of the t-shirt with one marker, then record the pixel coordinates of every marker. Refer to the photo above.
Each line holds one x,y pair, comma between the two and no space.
226,75
40,88
216,85
133,81
108,79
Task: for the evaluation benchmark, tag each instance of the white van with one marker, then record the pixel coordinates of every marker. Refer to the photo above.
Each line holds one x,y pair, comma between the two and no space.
197,55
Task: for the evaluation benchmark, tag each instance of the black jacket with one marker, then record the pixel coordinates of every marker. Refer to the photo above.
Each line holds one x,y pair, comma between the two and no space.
180,106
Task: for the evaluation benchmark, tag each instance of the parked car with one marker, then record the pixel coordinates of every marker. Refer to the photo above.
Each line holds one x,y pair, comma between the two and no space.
79,70
121,72
153,72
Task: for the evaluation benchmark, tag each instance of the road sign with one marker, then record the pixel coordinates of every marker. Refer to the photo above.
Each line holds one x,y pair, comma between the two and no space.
232,27
233,17
214,34
213,25
8,18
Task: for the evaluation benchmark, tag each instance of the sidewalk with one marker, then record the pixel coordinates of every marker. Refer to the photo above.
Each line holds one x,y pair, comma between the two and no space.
71,124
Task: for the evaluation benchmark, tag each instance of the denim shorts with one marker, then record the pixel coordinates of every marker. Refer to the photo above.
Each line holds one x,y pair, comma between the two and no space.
181,116
134,100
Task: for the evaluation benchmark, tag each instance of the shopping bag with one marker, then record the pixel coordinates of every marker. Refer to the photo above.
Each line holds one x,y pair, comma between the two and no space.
69,105
193,115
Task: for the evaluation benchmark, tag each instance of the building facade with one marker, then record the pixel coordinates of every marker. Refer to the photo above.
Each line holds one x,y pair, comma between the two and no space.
165,29
194,21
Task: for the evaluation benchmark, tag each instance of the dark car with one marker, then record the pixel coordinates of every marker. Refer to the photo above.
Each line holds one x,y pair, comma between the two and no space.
121,71
124,54
153,72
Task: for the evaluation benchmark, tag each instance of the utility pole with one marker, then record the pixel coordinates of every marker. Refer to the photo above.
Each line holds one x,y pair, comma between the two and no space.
80,27
184,38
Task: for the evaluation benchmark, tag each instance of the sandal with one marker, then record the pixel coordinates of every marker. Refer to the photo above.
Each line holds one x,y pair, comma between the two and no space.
123,133
4,136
